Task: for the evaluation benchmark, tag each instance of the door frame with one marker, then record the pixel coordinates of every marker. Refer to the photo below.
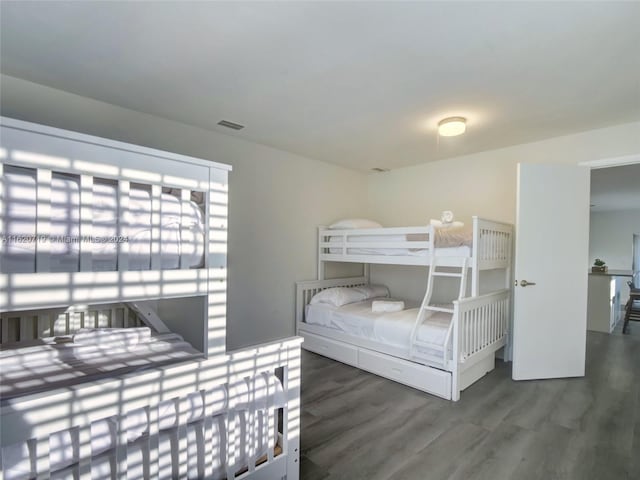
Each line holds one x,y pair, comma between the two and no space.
611,162
631,159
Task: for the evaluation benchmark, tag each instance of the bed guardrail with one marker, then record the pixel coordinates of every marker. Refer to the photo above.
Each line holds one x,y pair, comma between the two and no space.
482,322
169,422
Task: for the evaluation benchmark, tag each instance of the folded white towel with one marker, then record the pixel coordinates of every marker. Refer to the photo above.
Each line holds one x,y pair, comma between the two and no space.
387,306
112,337
446,216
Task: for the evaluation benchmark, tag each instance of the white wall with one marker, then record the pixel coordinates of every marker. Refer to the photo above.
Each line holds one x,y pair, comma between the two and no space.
276,199
611,237
481,184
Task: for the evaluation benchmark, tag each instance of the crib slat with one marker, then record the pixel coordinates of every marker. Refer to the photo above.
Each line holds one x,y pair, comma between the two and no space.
84,452
185,202
153,442
252,434
121,450
43,222
156,218
232,442
26,328
103,319
115,322
182,457
59,324
208,438
42,457
124,189
44,326
75,322
86,223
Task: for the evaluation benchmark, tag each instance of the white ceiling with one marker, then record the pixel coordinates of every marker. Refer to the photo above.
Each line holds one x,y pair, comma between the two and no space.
361,84
615,188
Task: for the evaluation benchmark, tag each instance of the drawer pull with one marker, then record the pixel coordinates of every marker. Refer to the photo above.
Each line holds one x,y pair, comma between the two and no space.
324,347
397,370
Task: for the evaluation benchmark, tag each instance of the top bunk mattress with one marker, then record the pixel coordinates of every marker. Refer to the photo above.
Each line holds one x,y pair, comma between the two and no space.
182,232
448,242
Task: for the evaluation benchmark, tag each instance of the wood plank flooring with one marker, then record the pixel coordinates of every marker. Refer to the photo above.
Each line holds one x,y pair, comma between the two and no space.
356,425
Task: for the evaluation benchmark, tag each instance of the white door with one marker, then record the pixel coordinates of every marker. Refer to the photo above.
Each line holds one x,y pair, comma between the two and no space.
552,250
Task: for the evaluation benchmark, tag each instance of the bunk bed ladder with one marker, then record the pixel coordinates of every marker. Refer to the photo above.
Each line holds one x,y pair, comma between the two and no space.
426,307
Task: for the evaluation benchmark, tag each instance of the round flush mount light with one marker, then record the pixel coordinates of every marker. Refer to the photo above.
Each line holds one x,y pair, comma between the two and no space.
452,126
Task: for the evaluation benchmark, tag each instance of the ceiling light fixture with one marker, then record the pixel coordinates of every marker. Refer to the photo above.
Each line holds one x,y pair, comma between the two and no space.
452,126
231,125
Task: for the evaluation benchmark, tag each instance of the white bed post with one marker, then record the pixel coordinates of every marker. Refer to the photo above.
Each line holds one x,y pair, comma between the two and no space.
320,248
455,355
475,258
291,418
2,230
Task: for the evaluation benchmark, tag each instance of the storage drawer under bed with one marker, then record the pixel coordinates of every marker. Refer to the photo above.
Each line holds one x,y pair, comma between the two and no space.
339,351
432,380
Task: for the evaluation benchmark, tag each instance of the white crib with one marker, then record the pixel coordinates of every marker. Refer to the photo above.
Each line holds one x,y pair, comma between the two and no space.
215,415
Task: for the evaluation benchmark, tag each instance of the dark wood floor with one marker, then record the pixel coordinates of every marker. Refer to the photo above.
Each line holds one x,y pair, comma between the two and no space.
356,425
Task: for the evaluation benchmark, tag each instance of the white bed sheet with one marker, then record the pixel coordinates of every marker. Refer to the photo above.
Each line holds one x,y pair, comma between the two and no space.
182,235
392,329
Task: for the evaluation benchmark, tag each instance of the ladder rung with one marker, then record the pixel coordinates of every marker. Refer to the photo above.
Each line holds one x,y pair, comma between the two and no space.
438,309
447,274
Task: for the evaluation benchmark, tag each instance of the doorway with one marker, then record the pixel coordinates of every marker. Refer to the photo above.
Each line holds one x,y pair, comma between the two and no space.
614,238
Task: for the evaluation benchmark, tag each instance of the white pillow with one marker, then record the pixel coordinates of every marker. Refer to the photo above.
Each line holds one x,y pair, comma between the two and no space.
349,223
373,291
338,296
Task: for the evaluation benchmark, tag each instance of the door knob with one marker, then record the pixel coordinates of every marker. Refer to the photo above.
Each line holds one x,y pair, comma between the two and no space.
524,283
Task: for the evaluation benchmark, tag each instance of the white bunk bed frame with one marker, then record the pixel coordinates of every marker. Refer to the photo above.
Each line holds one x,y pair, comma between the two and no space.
27,301
480,322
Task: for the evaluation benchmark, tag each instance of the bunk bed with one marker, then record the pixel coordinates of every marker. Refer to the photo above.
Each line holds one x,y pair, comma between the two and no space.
112,320
439,349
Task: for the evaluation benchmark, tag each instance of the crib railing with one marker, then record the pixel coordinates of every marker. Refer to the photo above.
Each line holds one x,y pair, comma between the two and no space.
78,194
29,325
228,427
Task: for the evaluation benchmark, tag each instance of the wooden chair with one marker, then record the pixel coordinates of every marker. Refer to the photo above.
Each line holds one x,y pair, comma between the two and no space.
632,309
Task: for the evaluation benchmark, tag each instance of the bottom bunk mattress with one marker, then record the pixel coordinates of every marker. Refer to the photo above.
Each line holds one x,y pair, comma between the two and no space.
393,329
56,362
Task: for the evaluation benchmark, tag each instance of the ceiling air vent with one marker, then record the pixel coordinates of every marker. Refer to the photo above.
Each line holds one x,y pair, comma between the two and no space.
231,125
